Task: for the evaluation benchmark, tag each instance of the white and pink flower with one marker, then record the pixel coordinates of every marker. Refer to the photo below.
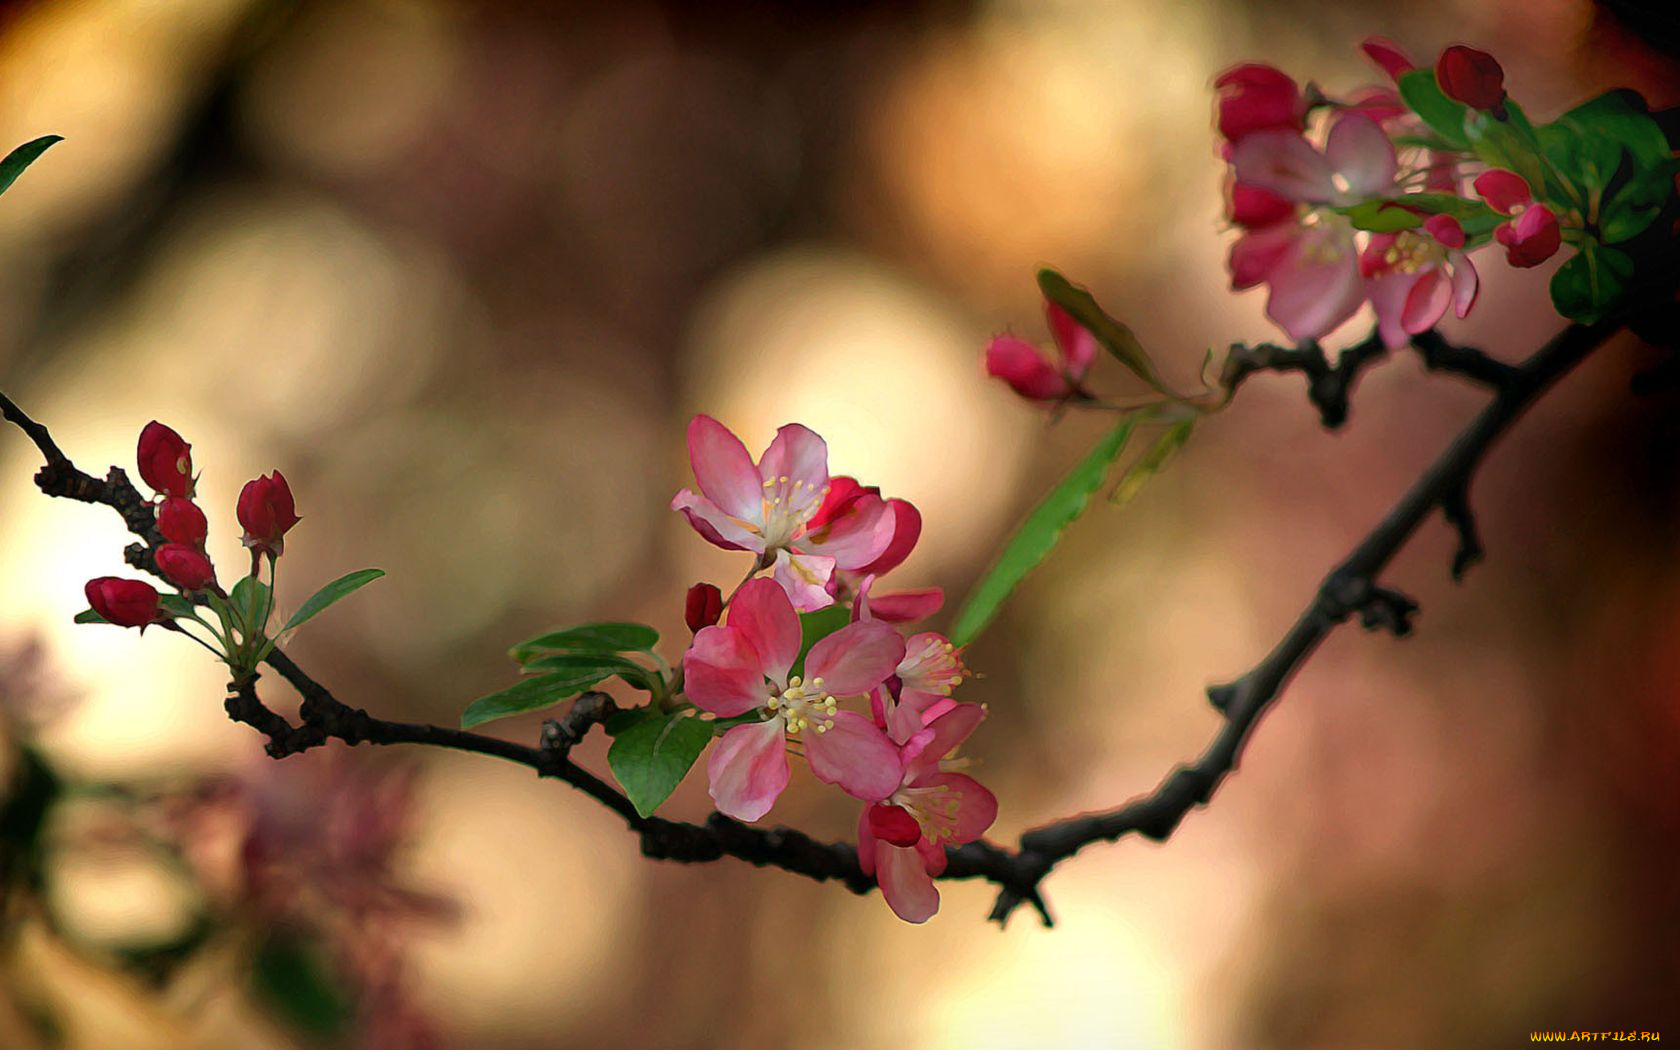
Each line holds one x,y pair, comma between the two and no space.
768,508
902,838
1414,275
743,667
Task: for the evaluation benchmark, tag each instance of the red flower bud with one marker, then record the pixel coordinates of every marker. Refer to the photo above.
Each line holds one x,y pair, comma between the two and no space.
267,512
1532,238
126,603
165,460
705,606
185,567
180,521
1471,77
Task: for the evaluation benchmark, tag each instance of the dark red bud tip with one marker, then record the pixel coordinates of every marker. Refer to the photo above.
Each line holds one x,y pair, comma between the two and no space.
705,606
180,521
894,824
126,603
267,513
186,567
1472,77
165,460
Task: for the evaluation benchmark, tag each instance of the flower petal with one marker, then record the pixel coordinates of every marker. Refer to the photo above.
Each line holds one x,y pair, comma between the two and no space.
1388,299
1360,153
724,469
950,729
977,807
1387,54
1286,164
855,754
1077,344
907,529
856,658
748,770
1504,191
1018,363
713,525
856,536
723,672
907,606
805,579
1465,283
1316,286
1427,302
762,614
799,455
1257,253
905,882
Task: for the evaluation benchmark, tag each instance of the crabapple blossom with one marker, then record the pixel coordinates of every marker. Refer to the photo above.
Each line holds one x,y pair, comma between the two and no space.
902,838
704,606
767,508
1414,275
844,496
1472,77
186,567
743,667
1532,236
181,521
165,460
126,603
267,512
921,685
1029,373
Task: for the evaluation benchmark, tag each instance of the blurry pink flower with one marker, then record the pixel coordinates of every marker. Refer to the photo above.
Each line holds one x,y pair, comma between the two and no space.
1414,275
768,507
743,667
1029,373
902,838
1357,163
1311,268
1532,236
1387,54
1256,97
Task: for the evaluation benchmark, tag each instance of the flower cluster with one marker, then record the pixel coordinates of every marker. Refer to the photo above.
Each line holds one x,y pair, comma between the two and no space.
753,664
266,513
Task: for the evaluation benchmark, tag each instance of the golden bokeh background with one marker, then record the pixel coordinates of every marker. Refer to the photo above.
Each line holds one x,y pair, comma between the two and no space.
464,270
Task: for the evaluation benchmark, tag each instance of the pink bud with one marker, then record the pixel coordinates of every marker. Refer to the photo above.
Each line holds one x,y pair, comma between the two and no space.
126,603
894,824
1019,364
1506,192
165,460
1256,97
185,567
267,512
1446,230
180,521
1472,77
705,607
1532,238
1387,54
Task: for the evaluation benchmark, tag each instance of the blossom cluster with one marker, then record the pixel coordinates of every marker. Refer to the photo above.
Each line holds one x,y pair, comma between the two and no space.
825,542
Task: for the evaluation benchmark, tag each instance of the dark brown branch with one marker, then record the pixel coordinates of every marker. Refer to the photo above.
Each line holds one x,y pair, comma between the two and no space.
1350,588
1441,356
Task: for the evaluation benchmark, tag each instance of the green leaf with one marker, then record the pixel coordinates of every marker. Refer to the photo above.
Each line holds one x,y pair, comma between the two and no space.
1444,116
251,603
1039,534
815,626
650,756
293,982
22,157
1381,217
1110,334
1589,286
530,695
1150,463
333,592
1621,117
1504,144
89,616
177,606
588,663
721,726
590,638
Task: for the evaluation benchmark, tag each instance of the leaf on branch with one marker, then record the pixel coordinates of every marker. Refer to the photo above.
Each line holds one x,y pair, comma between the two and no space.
176,606
332,593
607,664
89,616
1113,336
1040,533
251,604
533,694
1445,117
653,752
18,159
589,638
815,626
1150,463
1588,286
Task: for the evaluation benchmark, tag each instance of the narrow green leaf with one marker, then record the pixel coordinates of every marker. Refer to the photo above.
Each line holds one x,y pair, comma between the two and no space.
650,756
251,603
89,616
590,638
1111,335
1444,116
530,695
22,157
1503,144
815,626
1382,217
1039,534
1150,463
588,663
333,592
177,606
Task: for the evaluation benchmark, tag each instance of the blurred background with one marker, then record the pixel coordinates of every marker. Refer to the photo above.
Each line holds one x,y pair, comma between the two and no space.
464,270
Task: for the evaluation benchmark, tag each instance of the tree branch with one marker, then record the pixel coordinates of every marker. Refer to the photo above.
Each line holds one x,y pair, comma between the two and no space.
1350,588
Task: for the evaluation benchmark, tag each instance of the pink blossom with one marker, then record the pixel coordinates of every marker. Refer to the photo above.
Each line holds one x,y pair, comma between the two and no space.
844,497
902,838
1414,275
743,667
1532,236
1357,163
1032,375
1387,54
768,507
920,689
1311,268
1256,97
